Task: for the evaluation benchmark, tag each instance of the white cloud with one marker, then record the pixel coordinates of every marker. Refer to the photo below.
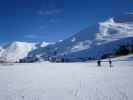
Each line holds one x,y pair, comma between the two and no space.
49,12
60,40
31,36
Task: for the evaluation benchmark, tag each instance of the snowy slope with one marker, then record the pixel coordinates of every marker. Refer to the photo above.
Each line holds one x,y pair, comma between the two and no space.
15,51
102,33
67,81
44,44
1,50
114,31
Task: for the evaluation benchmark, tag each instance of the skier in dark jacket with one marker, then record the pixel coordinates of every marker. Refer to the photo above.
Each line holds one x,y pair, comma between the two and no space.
110,62
98,63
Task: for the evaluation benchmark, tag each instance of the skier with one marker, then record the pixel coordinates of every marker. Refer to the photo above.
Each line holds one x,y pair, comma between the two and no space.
110,63
98,63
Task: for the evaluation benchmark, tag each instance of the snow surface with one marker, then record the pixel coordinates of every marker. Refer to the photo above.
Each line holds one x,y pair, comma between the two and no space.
66,81
45,44
1,50
81,46
114,30
16,50
73,39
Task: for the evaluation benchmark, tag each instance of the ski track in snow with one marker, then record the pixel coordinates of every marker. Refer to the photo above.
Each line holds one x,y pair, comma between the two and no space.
72,81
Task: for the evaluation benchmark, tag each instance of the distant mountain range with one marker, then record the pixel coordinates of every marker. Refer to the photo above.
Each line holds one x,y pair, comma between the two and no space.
92,42
15,51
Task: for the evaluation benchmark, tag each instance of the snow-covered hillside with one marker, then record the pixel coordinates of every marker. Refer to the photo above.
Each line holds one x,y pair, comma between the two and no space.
15,51
1,50
44,44
67,81
94,40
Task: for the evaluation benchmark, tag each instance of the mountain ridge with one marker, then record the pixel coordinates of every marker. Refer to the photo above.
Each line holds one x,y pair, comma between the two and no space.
109,31
95,41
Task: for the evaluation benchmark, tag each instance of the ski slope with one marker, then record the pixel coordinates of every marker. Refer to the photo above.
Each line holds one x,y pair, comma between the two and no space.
66,81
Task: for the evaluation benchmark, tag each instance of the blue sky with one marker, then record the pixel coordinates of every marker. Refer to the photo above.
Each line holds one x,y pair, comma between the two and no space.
53,20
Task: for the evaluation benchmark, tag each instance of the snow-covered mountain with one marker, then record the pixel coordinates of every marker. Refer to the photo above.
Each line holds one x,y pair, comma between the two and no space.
15,51
12,52
94,41
44,44
1,50
102,38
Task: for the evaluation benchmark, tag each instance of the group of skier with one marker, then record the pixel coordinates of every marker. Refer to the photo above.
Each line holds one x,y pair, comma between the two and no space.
99,63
